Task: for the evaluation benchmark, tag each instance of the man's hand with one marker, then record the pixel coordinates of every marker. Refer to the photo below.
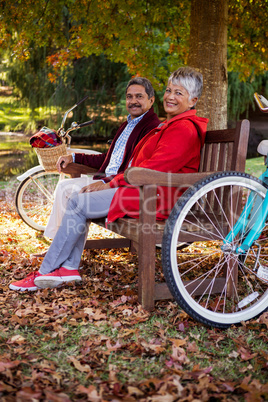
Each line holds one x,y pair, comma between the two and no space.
98,186
63,162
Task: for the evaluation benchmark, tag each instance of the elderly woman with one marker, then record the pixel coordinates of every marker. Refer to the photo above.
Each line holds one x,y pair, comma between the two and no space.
174,146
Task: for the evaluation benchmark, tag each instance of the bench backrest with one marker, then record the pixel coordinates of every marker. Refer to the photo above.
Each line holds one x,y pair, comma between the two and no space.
225,149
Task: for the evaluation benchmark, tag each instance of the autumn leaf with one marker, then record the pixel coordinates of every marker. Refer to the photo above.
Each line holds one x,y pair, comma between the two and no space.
245,354
8,365
264,319
28,394
79,366
16,339
178,342
153,347
111,347
91,393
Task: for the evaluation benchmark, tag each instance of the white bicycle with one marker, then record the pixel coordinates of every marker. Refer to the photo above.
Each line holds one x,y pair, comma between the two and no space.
35,195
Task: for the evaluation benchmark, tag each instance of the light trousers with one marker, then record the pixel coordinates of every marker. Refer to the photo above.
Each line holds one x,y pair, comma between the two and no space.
68,244
63,191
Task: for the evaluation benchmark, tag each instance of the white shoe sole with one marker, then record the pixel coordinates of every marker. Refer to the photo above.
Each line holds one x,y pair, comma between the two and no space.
19,288
44,282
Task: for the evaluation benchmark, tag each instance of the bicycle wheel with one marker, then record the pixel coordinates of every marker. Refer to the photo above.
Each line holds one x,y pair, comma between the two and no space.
34,198
207,276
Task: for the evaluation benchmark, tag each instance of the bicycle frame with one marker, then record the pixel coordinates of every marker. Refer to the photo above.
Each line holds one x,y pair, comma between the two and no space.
258,215
43,189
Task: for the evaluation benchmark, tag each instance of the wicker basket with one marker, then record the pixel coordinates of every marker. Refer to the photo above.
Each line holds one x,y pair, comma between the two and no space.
48,157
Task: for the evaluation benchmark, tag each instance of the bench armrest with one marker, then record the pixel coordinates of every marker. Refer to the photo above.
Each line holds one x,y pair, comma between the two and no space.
140,177
76,169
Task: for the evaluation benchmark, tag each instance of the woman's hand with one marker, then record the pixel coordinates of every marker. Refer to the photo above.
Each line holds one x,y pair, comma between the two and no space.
63,162
98,186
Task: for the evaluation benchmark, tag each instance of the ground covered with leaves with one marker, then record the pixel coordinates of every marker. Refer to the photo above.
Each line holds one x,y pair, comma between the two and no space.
94,342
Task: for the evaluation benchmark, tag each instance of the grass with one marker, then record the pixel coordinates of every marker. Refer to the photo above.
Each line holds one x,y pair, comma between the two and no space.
14,145
137,356
15,117
96,335
255,166
133,366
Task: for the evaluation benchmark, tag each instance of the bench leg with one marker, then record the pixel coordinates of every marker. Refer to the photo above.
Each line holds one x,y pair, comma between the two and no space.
146,250
146,284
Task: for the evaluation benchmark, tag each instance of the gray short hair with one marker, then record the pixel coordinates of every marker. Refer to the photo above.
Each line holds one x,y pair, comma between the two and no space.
144,82
190,79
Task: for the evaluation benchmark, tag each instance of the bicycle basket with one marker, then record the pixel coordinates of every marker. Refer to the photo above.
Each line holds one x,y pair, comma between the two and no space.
48,157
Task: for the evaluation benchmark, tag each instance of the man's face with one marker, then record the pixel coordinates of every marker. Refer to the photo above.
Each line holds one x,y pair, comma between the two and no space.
137,101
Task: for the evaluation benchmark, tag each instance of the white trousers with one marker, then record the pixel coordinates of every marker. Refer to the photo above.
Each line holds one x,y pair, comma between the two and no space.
63,191
67,246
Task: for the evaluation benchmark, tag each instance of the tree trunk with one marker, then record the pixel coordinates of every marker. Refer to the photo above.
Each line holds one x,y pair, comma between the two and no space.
208,54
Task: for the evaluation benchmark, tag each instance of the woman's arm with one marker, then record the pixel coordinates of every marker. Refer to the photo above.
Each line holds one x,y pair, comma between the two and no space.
171,151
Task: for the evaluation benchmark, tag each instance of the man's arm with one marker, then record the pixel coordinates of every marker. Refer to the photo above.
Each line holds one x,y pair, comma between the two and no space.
63,162
92,160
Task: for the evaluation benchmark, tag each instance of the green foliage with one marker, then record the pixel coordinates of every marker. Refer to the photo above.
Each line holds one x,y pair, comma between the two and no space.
30,78
247,23
240,93
131,32
94,76
99,79
89,47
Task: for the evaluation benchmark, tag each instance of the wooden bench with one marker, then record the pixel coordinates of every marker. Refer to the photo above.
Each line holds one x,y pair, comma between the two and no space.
223,150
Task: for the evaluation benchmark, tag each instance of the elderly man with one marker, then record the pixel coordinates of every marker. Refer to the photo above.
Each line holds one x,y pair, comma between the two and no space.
141,120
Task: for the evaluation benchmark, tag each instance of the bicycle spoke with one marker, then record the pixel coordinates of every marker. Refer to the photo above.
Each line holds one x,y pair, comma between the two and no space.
34,198
208,277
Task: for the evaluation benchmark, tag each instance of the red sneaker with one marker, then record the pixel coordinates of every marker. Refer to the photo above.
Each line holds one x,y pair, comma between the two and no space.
26,283
57,278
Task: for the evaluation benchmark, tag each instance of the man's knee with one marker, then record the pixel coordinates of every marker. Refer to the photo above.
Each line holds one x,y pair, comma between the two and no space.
76,204
74,228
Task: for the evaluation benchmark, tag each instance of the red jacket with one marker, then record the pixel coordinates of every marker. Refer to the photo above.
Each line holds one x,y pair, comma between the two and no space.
173,147
101,161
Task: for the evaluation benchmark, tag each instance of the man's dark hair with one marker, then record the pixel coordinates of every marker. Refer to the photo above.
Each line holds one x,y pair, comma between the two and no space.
144,82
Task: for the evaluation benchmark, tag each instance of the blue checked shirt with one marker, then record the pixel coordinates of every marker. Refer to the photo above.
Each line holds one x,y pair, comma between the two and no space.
120,145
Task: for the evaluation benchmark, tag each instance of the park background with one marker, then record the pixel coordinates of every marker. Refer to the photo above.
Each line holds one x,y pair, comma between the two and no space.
55,53
65,345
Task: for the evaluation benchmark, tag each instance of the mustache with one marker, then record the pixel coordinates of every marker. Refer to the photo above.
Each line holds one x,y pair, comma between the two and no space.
134,105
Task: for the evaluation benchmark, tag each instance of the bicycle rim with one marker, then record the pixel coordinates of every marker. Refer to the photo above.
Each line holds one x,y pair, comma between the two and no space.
34,198
209,280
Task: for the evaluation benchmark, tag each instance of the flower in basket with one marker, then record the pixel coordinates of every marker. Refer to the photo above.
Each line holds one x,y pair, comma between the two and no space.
45,138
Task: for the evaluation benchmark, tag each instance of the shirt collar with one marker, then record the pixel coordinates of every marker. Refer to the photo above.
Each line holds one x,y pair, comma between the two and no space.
136,120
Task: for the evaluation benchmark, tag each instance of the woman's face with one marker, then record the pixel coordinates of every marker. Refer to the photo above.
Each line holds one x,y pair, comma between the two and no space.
176,100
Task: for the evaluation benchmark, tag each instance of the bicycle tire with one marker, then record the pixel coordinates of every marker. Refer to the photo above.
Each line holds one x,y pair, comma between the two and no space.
33,206
204,260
